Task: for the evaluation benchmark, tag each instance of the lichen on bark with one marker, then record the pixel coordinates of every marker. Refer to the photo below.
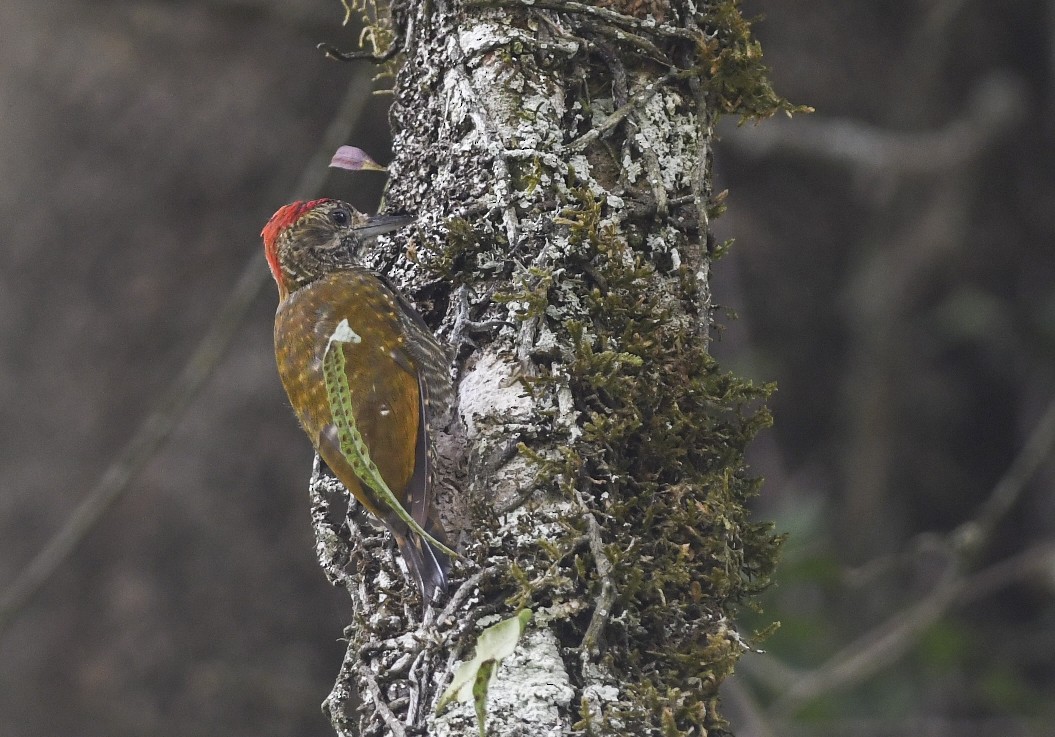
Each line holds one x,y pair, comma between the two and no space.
556,156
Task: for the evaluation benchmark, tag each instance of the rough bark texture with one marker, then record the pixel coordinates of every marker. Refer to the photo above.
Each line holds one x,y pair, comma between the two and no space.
557,158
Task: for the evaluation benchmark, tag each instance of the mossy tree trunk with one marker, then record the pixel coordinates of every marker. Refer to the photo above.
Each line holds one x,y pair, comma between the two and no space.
557,158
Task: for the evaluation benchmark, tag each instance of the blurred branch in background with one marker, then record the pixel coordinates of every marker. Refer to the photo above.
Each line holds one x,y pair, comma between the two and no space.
159,423
886,643
974,535
904,245
996,103
919,389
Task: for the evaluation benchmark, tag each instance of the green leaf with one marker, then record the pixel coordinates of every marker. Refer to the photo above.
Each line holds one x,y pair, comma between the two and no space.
473,677
353,446
480,686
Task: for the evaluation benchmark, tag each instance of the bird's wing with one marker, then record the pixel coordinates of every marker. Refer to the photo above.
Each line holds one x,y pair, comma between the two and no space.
422,357
381,378
418,492
429,356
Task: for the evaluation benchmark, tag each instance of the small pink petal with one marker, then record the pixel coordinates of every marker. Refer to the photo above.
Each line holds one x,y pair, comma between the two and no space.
354,159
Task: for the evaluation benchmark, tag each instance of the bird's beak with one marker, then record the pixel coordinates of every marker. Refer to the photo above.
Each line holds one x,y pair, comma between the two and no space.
380,224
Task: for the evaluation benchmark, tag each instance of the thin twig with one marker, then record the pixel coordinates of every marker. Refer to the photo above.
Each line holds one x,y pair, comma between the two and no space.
1032,562
653,171
753,720
155,430
640,43
465,327
640,97
872,652
462,594
340,695
602,608
332,52
380,705
415,685
620,78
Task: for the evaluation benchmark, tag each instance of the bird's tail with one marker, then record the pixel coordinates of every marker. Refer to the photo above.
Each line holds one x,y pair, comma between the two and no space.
427,564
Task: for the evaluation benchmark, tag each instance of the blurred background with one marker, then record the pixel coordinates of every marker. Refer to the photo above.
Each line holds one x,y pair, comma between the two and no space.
894,273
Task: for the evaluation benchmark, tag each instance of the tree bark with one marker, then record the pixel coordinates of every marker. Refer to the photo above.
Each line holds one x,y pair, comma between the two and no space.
557,158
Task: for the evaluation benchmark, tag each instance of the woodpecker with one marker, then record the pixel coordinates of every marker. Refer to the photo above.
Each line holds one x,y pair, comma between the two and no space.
398,375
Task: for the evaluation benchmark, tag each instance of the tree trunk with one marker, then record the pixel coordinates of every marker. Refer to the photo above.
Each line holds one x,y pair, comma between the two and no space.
557,158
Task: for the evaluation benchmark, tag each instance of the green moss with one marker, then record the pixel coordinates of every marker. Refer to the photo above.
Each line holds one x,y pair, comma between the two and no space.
378,32
737,80
527,173
462,243
664,430
531,290
470,254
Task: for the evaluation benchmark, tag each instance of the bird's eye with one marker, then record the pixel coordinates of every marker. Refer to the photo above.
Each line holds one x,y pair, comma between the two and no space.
340,217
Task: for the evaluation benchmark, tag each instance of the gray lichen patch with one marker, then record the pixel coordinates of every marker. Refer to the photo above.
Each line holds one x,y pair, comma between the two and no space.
489,394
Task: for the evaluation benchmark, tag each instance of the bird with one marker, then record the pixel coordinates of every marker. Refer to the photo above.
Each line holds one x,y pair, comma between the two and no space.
397,374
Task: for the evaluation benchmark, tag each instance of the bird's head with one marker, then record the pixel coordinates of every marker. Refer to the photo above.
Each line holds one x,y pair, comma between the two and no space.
304,241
